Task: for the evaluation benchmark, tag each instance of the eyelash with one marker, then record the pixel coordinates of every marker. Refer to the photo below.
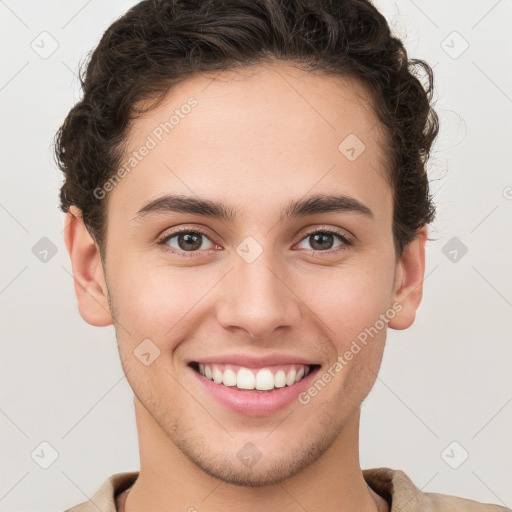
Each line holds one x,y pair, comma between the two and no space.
347,242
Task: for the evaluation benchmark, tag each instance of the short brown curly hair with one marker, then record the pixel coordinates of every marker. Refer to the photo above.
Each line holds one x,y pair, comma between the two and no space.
159,43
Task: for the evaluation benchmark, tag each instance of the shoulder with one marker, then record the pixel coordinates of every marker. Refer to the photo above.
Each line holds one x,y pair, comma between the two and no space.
403,495
104,498
444,502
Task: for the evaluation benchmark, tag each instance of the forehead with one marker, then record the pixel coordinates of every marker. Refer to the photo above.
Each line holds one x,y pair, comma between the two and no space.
261,132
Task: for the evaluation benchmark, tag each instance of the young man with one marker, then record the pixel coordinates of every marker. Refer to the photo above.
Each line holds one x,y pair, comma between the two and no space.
246,197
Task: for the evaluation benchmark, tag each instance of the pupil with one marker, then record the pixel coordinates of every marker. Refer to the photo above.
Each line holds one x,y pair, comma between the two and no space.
322,238
187,238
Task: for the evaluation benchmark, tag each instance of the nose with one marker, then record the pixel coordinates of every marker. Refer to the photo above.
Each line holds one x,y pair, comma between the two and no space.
258,298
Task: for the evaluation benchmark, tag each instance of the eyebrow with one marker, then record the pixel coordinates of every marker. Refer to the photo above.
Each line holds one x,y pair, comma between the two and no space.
311,205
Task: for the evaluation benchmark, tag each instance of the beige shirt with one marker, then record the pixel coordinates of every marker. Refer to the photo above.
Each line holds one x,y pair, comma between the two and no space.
393,485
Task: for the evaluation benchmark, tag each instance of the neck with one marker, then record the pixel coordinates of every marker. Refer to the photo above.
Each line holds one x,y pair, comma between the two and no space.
168,481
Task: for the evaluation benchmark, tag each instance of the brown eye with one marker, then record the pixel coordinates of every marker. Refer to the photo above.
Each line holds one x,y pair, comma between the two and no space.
189,241
186,240
325,240
321,241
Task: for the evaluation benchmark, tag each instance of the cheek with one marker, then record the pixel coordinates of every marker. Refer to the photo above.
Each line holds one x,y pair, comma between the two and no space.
350,300
151,302
350,304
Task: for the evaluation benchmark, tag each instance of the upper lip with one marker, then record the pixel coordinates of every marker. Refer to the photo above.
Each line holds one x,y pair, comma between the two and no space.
252,361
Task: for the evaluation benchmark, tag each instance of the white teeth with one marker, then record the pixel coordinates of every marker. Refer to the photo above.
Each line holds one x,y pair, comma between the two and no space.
264,380
280,379
217,375
290,378
244,378
229,378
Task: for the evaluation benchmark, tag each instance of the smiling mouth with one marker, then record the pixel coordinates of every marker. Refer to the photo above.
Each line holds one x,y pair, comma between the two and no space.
255,380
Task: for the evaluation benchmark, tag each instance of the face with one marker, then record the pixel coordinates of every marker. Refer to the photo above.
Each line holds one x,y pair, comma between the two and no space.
298,286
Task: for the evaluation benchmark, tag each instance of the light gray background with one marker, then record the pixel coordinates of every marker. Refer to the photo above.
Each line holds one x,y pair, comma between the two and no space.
445,379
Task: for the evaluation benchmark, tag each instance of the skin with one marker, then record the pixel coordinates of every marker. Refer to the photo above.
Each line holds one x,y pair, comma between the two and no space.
238,145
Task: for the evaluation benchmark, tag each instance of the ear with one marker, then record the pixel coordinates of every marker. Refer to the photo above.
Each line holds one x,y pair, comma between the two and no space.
89,278
409,277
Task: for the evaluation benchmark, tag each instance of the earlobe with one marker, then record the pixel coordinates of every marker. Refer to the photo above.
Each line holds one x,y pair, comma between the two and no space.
89,279
409,281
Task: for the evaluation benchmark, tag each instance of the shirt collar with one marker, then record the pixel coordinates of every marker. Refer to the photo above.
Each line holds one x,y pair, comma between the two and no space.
393,485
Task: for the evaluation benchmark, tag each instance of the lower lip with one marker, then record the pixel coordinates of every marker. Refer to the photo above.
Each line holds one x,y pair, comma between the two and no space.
251,403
